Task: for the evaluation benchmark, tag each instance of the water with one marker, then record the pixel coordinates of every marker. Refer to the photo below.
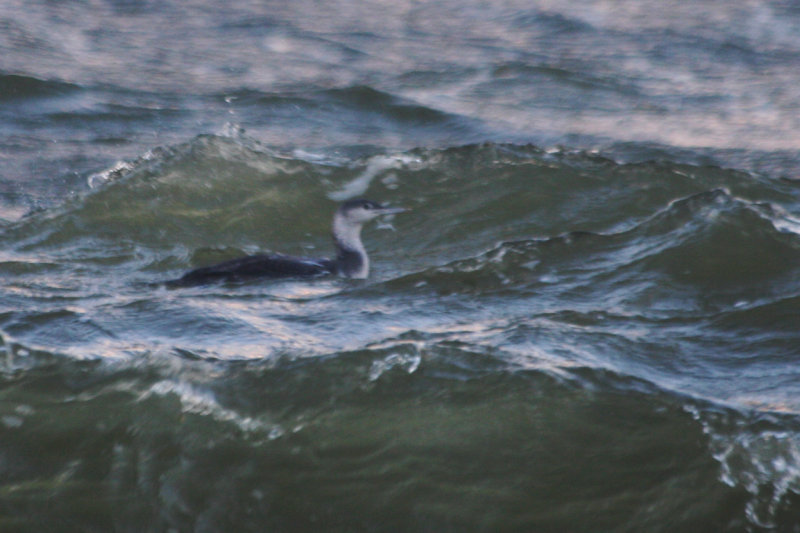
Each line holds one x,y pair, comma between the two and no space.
588,321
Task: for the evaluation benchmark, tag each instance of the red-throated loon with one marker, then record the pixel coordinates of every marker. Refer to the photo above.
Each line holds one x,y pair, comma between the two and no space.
351,258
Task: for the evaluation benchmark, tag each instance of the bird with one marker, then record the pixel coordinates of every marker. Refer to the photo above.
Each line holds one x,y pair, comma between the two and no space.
351,259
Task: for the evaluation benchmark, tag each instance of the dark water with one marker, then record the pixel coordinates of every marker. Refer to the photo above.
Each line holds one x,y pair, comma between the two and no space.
588,321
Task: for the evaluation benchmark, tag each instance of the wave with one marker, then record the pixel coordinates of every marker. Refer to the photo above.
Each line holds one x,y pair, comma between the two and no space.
702,227
361,109
424,412
158,421
757,452
711,243
545,231
19,87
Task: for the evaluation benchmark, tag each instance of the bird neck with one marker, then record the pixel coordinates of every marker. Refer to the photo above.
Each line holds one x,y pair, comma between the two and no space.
351,257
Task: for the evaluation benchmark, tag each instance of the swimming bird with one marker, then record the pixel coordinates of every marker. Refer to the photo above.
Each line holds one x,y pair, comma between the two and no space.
351,259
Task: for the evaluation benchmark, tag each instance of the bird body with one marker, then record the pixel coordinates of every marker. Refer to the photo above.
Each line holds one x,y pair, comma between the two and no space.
351,260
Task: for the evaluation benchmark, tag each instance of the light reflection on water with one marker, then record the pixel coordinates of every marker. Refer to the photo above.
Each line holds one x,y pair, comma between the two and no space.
573,359
595,68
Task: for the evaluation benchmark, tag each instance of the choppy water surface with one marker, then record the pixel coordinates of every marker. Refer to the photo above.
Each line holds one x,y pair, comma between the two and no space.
588,321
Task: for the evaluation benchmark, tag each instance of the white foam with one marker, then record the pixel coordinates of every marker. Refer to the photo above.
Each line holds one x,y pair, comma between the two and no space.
202,402
787,224
11,421
408,362
375,167
120,168
766,463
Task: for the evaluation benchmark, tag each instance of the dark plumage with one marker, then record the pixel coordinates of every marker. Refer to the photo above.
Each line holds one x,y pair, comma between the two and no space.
351,260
